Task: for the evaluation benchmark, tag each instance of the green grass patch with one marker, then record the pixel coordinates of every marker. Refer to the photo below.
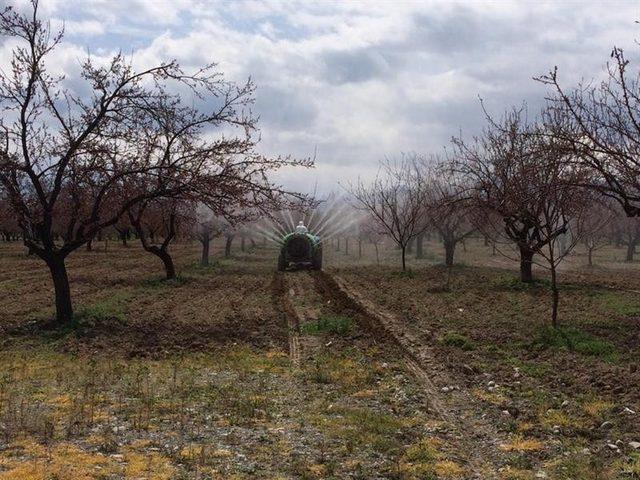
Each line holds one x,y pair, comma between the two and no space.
328,324
620,303
576,341
454,339
363,426
112,308
347,373
631,467
536,370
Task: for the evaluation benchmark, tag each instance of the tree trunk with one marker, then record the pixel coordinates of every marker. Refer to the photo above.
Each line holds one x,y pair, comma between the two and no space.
90,245
359,248
123,238
227,247
449,251
590,256
631,250
204,261
377,254
64,307
526,260
555,298
164,255
242,243
162,251
404,254
419,246
169,268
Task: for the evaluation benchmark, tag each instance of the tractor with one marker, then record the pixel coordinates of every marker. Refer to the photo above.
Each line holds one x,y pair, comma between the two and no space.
300,250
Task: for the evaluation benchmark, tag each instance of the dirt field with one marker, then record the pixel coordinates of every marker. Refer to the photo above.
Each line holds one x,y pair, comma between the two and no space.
232,371
192,379
564,403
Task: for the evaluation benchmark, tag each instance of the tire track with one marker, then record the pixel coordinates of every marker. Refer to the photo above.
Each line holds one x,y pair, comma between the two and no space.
457,408
334,288
282,301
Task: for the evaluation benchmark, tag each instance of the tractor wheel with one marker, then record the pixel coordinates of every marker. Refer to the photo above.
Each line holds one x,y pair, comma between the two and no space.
282,265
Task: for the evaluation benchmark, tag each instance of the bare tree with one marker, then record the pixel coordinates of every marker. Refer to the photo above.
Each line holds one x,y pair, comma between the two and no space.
524,186
595,235
370,231
123,229
562,212
229,235
70,164
448,212
9,228
161,216
628,229
207,228
396,200
501,171
420,244
602,123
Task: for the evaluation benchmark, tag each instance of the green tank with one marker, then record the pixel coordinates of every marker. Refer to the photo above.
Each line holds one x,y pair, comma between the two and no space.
300,250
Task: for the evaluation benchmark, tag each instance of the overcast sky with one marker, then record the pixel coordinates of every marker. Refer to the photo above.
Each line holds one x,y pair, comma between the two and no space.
356,81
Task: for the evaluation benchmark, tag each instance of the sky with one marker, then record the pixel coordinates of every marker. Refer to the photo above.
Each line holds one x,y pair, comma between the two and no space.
354,82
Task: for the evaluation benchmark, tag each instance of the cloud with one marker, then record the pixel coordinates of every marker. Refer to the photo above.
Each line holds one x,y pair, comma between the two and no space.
359,80
353,66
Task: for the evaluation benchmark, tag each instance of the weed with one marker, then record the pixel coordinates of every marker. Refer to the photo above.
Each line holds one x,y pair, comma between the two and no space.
576,341
535,370
520,444
331,324
423,460
597,408
454,339
363,426
346,373
631,467
423,451
214,265
620,303
448,469
112,308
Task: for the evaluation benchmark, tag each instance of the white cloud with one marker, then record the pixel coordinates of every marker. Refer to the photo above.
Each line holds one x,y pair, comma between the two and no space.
361,80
